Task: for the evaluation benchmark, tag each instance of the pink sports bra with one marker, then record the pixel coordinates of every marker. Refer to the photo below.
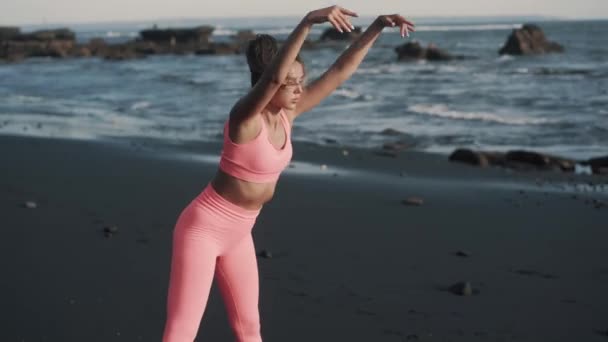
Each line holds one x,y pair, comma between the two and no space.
257,160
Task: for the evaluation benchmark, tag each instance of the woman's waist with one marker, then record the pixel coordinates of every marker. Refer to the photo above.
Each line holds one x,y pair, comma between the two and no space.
245,194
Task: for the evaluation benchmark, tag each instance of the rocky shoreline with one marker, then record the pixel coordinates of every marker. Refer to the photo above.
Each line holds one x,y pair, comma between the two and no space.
16,46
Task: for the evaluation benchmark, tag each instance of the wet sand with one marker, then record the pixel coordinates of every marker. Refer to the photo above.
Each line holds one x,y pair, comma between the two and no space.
350,261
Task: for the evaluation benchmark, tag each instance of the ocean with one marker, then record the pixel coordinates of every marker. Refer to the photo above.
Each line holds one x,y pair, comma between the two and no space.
555,103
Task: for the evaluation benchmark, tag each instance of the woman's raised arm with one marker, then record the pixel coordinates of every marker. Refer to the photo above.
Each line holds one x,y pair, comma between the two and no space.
273,76
349,61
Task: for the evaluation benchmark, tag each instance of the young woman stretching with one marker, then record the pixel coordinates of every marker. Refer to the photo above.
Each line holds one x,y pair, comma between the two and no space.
212,236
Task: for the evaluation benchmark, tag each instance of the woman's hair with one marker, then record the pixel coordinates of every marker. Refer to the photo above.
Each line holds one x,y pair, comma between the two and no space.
260,52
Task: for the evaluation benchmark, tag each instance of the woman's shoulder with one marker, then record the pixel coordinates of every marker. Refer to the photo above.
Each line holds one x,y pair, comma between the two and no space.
244,129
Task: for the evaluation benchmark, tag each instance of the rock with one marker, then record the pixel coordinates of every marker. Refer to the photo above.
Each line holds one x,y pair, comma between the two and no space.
527,159
598,165
265,254
333,34
414,201
415,51
97,46
345,153
195,35
9,32
243,36
120,52
47,35
462,254
410,50
395,146
391,154
30,205
462,289
80,51
391,132
528,40
469,157
330,141
517,159
109,231
46,43
433,53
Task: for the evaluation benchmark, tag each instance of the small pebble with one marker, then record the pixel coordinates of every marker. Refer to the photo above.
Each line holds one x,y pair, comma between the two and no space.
323,167
413,201
345,153
30,205
265,254
462,254
462,289
109,231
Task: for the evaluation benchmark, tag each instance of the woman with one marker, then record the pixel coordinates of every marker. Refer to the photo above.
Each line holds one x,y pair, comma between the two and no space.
212,236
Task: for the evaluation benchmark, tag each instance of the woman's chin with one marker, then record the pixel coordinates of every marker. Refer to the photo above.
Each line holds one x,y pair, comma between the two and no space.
291,105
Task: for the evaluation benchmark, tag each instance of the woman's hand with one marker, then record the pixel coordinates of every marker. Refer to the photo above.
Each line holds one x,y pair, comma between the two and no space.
394,20
335,15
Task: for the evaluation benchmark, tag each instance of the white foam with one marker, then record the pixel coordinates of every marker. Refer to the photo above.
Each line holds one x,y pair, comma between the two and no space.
441,110
140,105
381,69
224,32
26,98
480,27
351,94
115,34
504,58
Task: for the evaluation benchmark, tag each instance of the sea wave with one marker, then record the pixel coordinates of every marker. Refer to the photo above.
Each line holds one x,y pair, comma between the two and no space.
480,27
441,110
351,94
140,105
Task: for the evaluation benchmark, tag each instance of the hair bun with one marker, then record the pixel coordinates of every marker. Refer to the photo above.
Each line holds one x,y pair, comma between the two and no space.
260,52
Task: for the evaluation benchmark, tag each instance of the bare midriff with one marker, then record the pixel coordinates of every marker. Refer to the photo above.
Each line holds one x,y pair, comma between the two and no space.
245,194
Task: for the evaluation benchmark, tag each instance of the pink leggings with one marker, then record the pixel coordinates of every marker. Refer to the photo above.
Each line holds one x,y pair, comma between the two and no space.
213,236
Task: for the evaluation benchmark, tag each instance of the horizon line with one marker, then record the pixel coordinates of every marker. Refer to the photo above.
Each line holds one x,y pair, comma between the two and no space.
114,21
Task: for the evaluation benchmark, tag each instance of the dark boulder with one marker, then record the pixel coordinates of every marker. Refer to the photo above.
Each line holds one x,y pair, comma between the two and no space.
529,40
47,35
333,34
469,157
415,51
172,36
598,165
517,159
9,32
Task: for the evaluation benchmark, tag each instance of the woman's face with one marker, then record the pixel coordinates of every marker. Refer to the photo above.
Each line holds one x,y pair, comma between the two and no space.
289,93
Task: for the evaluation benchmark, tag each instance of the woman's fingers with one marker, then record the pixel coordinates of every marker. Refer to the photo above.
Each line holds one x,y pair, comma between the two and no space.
403,20
348,23
344,23
344,11
334,23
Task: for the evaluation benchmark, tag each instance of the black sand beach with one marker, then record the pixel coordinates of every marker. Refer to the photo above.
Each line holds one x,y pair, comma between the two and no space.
349,261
